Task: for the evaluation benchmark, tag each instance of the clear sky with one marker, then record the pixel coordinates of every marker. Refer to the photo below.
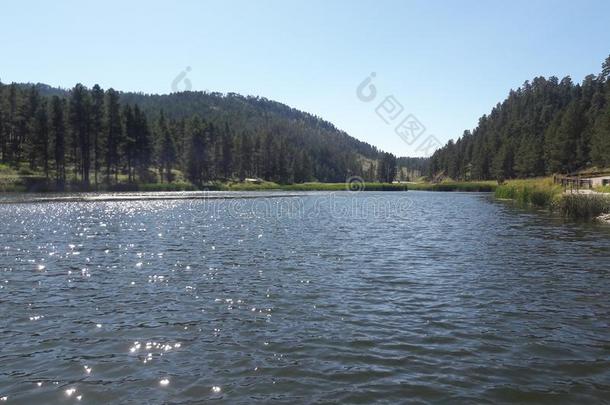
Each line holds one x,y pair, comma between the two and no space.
446,62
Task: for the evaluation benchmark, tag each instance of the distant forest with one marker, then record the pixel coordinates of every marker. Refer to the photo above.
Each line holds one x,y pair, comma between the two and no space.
546,126
82,138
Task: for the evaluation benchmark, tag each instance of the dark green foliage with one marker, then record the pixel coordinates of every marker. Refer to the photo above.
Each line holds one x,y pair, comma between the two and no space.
600,141
546,126
80,122
40,143
58,131
196,153
143,144
166,150
386,170
207,137
410,168
114,131
227,153
97,128
129,140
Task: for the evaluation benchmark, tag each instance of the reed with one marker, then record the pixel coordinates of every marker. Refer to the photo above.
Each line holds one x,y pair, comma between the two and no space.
536,192
467,186
584,206
368,186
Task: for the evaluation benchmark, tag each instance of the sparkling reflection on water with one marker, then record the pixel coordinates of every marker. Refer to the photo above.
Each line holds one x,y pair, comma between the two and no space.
462,300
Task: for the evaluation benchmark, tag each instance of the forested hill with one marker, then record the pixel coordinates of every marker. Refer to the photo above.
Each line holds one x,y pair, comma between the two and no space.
85,136
334,152
546,126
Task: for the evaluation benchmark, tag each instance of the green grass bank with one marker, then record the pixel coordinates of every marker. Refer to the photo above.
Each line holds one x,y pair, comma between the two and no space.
543,193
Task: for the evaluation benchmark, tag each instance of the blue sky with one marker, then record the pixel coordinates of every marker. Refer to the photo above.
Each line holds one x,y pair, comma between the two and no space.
447,63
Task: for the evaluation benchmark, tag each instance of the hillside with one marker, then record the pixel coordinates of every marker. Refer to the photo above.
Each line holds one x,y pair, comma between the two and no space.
82,137
546,126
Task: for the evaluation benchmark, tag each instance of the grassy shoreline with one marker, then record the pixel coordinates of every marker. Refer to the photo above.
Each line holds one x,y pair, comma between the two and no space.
23,187
538,192
23,180
457,186
543,193
215,186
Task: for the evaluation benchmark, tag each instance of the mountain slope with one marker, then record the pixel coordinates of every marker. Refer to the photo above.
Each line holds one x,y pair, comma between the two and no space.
83,135
546,126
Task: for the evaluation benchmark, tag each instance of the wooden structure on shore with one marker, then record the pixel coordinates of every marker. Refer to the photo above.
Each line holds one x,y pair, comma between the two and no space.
585,181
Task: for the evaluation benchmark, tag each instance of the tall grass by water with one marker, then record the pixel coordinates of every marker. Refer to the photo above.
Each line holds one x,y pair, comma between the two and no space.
467,186
544,193
585,206
537,192
367,186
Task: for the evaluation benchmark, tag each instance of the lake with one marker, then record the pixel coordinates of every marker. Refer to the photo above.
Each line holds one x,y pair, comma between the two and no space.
314,298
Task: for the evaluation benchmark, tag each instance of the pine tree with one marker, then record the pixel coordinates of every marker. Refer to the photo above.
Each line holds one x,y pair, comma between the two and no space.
80,121
143,144
129,140
503,162
166,150
386,168
113,135
245,157
12,137
528,158
41,141
561,140
302,167
97,128
196,152
605,70
26,140
600,142
58,129
3,126
227,153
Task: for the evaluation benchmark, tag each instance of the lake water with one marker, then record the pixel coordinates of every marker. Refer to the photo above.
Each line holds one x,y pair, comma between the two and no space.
319,298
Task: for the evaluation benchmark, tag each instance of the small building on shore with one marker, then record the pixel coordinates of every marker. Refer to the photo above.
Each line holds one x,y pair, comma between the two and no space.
583,180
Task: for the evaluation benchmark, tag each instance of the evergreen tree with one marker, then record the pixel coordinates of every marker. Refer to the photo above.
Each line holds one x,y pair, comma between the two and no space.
143,144
386,170
196,152
3,126
246,157
58,129
129,140
600,142
502,164
41,137
97,128
11,135
561,140
114,134
80,121
27,127
166,150
227,152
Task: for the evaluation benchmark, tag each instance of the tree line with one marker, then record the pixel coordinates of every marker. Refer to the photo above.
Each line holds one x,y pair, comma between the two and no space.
546,126
86,138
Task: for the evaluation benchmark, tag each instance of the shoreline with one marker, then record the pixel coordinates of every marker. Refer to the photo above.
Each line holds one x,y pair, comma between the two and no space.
588,205
146,196
480,186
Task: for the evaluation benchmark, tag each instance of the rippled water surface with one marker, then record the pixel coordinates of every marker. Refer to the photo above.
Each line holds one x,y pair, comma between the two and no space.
449,298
